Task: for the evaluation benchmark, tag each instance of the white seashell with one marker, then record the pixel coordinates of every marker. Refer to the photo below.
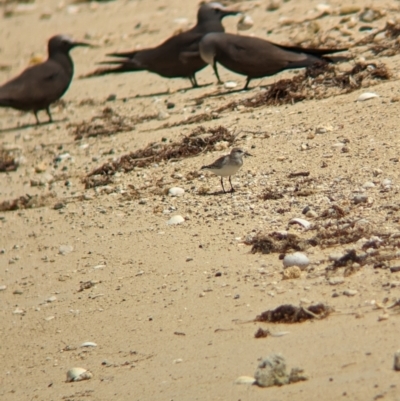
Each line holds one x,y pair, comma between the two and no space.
18,311
306,224
88,344
78,374
366,96
245,380
3,287
99,267
177,219
245,23
65,249
176,191
230,84
323,8
296,259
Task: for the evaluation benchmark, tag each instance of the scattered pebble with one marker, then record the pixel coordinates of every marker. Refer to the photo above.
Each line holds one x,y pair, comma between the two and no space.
350,293
383,316
360,199
3,287
176,191
174,220
78,374
291,272
296,259
336,280
272,372
65,249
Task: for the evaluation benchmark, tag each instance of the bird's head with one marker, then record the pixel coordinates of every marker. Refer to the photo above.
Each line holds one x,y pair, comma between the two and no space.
63,44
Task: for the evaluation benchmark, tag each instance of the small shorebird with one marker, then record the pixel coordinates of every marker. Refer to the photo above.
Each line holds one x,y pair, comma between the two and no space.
228,165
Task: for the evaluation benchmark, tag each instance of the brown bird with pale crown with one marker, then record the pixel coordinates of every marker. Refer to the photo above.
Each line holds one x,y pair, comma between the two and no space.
37,87
178,56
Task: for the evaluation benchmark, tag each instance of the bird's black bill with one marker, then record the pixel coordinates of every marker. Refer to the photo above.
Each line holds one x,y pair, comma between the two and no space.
81,44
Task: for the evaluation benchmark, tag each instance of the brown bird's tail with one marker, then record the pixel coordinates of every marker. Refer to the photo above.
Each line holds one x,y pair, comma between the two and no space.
120,68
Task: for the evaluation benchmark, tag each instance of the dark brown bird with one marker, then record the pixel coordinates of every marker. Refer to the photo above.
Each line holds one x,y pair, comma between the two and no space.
42,84
178,56
255,57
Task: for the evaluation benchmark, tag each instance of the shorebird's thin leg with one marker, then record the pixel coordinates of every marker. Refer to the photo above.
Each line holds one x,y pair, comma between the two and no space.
49,114
36,116
230,182
222,183
247,84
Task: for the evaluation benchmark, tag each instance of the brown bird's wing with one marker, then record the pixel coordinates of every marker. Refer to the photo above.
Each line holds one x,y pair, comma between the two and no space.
176,57
256,57
35,88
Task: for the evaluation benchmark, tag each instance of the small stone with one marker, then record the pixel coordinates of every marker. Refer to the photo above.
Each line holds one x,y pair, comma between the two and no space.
41,167
245,380
111,97
51,299
368,184
350,293
335,256
296,259
291,272
360,199
3,287
65,249
384,316
395,269
176,191
58,206
273,5
312,214
18,311
350,9
336,280
170,105
272,372
174,220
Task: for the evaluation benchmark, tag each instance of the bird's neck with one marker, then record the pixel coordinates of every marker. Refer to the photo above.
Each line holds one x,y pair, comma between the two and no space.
64,60
211,26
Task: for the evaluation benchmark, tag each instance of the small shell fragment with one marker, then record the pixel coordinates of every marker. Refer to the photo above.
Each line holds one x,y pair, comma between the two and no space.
78,374
245,23
230,84
366,96
245,380
306,224
88,344
174,220
176,191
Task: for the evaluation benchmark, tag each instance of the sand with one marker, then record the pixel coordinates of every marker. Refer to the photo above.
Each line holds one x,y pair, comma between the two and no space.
172,308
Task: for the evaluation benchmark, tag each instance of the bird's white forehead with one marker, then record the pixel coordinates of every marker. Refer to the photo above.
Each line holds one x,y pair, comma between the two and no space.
216,5
66,38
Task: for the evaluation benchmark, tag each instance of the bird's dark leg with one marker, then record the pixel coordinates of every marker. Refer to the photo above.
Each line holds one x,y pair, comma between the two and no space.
194,81
222,183
216,73
36,116
230,182
247,83
49,114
